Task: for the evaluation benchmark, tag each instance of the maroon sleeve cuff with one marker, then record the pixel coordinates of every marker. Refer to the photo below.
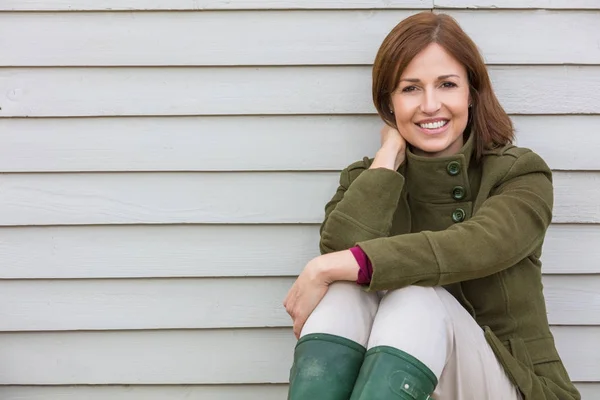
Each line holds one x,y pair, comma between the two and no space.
365,268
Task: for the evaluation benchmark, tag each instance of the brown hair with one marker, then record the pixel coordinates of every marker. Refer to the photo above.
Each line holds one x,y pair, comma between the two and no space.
487,119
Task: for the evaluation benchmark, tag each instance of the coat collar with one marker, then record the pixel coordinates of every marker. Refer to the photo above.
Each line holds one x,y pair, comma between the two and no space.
435,180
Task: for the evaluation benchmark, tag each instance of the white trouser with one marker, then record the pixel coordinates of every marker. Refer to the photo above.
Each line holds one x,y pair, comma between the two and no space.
427,323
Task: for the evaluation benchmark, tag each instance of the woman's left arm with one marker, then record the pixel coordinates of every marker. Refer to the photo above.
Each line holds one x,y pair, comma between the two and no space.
508,227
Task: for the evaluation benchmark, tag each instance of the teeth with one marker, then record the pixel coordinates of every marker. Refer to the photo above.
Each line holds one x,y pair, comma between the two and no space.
433,125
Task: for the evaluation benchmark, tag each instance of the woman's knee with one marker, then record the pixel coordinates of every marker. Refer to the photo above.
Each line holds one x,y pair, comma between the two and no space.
414,303
414,320
346,310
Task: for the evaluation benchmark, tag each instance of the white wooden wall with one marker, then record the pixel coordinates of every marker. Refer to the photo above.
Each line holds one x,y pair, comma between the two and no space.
165,164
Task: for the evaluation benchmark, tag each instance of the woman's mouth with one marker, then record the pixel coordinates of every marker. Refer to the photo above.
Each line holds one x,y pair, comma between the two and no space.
432,128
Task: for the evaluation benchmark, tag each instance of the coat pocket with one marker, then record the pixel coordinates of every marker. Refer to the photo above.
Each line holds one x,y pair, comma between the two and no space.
534,367
515,359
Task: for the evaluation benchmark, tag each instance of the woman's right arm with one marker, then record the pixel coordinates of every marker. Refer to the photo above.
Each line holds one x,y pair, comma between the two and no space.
366,199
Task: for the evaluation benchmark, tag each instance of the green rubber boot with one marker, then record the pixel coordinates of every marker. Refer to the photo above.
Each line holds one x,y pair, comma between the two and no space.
391,374
325,367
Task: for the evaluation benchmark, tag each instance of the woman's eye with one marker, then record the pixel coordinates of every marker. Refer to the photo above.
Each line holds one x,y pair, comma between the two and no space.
448,84
409,89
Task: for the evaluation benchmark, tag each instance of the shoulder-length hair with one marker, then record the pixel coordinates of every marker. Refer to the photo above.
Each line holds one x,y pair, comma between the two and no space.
487,119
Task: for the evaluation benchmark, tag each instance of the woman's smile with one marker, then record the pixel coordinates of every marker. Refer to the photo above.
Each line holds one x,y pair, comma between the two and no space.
433,126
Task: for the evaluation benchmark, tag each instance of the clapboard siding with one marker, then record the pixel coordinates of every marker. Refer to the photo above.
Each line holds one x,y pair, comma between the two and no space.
37,92
187,392
496,4
157,392
196,5
279,37
203,5
199,356
59,305
88,252
252,197
125,133
588,390
315,142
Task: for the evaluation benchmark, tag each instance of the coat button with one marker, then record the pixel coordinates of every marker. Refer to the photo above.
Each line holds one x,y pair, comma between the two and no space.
458,215
458,193
453,168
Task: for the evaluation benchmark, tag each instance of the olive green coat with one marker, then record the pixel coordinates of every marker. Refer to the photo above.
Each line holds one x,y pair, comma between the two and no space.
476,229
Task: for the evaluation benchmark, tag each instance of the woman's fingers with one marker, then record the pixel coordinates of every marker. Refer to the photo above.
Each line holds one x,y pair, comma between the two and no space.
298,327
291,296
304,296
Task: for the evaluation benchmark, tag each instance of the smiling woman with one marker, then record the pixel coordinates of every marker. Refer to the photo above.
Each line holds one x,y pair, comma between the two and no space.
429,283
431,106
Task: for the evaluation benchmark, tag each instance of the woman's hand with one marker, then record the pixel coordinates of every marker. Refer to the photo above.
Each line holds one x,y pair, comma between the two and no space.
393,149
312,284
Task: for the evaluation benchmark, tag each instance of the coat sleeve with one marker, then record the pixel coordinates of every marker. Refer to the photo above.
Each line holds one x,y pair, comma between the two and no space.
362,208
509,226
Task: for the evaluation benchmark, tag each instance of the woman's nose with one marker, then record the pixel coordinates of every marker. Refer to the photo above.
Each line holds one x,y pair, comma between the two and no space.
430,103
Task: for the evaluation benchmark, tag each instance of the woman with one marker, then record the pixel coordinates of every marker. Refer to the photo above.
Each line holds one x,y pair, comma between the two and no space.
442,231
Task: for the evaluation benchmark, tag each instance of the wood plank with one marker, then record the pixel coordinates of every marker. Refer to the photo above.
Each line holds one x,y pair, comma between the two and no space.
169,251
496,4
316,142
38,92
534,37
139,392
203,5
575,346
196,5
268,197
284,38
588,391
88,252
59,305
198,357
566,243
143,304
544,133
571,299
147,357
33,199
568,183
199,38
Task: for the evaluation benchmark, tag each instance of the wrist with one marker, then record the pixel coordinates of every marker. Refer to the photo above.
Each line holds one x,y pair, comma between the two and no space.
389,156
392,147
338,266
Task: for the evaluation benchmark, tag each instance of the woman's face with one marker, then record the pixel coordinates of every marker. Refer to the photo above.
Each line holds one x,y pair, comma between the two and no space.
431,103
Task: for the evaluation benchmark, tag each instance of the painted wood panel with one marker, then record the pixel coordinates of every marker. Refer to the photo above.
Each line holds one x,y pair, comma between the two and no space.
279,37
221,143
203,111
199,357
60,305
589,391
202,5
198,5
205,251
489,30
138,392
187,38
565,243
158,198
39,92
496,4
